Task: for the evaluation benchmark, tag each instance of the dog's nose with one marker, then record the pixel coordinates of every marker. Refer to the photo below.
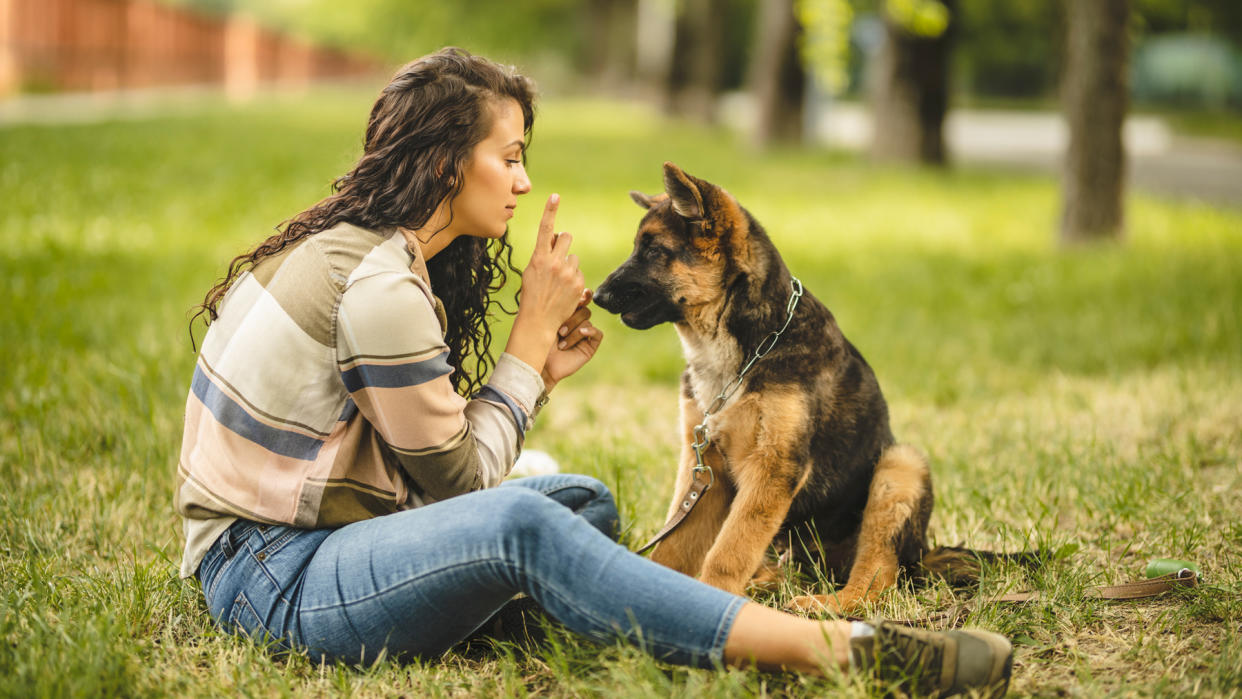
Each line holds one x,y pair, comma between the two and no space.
615,293
606,297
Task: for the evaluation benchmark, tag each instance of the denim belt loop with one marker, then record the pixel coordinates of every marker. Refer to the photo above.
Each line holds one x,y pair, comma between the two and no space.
227,543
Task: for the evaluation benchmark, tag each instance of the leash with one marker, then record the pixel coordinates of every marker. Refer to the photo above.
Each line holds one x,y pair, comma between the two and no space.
697,487
1139,589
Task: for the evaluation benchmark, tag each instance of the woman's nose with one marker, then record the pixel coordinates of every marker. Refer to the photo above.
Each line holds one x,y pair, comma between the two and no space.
521,183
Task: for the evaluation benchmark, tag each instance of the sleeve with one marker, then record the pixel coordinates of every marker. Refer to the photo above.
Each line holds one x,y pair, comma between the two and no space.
394,363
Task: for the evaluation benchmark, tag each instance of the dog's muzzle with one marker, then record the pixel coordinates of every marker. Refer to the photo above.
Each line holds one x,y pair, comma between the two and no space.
617,297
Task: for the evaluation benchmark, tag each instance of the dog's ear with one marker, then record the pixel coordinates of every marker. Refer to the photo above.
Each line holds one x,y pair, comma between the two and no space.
641,199
684,191
645,201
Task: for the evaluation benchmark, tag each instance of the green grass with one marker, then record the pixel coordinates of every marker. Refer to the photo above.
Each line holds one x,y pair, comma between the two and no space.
1220,124
1086,400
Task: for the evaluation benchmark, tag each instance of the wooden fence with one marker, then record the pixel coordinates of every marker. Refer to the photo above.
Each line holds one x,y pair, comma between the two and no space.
91,45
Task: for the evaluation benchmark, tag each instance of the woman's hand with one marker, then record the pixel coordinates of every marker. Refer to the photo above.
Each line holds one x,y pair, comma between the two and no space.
577,341
552,289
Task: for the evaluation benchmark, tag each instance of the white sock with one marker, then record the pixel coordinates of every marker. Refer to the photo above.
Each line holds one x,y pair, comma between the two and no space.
861,629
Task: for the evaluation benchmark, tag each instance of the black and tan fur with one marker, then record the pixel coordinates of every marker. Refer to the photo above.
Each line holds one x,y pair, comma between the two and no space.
803,455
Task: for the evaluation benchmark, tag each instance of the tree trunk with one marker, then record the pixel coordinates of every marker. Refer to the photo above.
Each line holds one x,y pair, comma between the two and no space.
698,60
777,80
911,95
609,52
655,29
1095,98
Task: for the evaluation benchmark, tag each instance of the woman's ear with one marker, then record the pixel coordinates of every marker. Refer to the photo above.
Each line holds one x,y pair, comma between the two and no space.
684,191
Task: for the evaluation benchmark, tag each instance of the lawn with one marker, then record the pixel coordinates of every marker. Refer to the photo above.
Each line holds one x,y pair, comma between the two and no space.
1085,401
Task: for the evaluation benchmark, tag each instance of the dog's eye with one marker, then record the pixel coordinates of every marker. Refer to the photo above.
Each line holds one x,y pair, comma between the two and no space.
656,253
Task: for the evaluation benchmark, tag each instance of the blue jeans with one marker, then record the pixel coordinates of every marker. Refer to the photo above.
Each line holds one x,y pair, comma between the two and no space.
417,582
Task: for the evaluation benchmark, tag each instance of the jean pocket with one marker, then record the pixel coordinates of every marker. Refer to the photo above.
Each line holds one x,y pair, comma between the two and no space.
274,539
244,620
222,556
284,554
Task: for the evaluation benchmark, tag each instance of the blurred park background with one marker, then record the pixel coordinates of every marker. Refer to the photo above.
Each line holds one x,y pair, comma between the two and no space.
1025,214
1035,84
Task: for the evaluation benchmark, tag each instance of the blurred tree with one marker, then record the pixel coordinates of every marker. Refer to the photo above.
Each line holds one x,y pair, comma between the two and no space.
1015,48
707,45
656,22
1009,49
400,30
911,90
1095,99
1220,17
776,77
825,48
610,55
695,75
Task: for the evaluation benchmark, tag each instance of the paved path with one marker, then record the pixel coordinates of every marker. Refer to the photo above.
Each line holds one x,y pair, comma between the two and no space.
91,107
1160,161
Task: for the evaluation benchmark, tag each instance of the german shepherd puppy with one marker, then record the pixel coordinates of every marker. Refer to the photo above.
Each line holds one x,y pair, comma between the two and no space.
802,453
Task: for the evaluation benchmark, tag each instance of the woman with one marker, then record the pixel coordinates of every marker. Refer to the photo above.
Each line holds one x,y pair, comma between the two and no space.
339,493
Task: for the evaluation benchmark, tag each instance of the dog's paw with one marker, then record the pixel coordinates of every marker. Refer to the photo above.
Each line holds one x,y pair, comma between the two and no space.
766,579
818,604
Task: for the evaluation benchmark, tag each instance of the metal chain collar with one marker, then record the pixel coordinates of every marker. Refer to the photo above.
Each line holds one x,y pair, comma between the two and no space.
701,439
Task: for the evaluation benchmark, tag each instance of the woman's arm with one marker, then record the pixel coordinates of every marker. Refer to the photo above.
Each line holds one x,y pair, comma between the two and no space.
552,332
394,363
552,287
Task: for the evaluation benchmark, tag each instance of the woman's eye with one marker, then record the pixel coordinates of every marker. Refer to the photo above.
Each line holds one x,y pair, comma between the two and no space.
513,162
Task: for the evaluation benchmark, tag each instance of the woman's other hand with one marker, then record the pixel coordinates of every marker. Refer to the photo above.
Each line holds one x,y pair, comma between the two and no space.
552,289
577,341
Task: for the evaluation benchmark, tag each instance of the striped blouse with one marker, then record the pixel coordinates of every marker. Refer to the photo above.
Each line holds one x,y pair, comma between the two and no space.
322,396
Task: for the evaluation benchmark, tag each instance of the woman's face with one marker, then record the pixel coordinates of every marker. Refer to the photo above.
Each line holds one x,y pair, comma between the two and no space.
494,176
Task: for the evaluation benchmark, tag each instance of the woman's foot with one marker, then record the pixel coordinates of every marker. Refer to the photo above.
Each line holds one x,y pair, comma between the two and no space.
940,663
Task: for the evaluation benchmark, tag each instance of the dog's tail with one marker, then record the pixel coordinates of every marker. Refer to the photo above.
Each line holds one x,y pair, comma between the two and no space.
962,566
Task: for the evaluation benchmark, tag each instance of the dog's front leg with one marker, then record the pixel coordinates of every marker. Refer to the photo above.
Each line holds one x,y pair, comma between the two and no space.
683,550
753,521
766,453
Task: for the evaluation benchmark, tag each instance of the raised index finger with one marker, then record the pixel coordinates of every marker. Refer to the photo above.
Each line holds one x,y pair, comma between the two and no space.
546,238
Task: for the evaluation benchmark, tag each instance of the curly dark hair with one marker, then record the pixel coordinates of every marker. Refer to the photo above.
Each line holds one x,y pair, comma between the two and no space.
418,142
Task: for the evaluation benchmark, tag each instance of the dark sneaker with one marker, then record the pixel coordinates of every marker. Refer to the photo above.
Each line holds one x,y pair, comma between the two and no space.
936,663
